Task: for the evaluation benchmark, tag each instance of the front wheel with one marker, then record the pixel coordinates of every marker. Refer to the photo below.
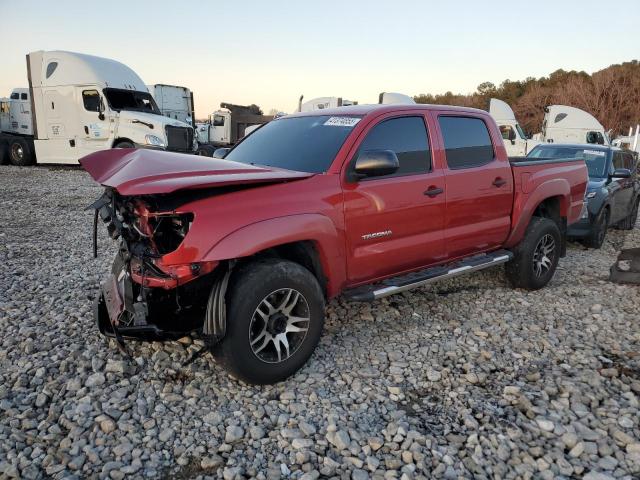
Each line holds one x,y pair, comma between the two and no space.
205,150
536,257
124,144
275,315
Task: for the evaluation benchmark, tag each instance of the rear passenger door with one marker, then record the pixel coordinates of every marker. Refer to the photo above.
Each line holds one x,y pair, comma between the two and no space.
479,187
621,189
394,222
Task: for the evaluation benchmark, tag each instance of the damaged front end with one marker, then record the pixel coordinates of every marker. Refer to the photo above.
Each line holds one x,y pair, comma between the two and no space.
144,296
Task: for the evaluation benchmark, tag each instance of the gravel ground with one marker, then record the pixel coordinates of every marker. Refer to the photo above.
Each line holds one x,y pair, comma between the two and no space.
466,378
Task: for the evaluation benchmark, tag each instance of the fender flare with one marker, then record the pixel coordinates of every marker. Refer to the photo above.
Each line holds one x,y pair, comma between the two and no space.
557,187
316,228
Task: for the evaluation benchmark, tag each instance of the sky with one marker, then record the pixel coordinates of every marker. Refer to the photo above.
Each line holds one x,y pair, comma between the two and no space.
271,52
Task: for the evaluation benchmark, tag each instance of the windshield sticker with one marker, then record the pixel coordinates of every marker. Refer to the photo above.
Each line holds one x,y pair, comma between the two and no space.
342,122
596,153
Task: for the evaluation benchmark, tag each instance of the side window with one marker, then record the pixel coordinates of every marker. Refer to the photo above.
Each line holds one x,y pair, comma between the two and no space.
218,121
91,100
618,160
629,162
15,96
507,132
24,96
466,141
407,137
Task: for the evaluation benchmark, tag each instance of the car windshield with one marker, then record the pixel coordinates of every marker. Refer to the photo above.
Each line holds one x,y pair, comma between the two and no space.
303,144
131,100
595,159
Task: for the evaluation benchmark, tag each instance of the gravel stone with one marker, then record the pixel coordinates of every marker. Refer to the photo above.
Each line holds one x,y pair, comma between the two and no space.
466,378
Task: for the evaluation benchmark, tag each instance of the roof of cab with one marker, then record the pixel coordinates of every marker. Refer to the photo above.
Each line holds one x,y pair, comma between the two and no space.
362,110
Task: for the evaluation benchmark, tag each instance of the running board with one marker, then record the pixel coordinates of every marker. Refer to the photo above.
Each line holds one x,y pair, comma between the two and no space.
393,285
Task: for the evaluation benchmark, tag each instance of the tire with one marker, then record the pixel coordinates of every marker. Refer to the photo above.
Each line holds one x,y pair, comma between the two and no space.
528,269
248,350
205,150
599,230
20,152
4,156
630,221
124,144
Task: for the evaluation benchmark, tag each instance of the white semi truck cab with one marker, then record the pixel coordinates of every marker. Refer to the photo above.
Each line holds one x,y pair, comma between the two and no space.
515,141
80,104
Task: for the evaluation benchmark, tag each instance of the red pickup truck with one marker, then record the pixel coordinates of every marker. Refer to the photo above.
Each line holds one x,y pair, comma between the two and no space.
364,201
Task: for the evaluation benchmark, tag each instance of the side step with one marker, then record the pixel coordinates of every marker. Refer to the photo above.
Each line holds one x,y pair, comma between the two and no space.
393,285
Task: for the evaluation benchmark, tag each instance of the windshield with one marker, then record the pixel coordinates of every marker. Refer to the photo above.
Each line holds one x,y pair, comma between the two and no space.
596,160
131,100
304,144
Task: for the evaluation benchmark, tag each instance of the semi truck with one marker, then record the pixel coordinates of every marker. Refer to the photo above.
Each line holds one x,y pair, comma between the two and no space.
174,102
77,104
225,127
320,103
561,124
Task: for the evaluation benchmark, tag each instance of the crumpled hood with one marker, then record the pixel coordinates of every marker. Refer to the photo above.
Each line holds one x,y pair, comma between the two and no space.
147,172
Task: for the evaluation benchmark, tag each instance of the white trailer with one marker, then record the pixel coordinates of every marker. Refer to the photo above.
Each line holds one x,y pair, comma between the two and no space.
630,142
319,103
79,104
515,141
174,102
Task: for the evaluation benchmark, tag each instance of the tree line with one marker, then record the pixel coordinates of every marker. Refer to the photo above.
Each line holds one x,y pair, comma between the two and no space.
612,95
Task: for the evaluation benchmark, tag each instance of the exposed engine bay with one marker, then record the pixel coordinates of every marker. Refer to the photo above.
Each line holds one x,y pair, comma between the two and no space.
143,297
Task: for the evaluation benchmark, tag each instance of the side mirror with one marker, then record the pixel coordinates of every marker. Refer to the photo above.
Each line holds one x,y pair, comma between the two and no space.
375,163
101,109
592,137
621,173
220,152
512,136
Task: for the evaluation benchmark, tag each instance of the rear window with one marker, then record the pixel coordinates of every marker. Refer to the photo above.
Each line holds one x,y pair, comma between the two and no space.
466,141
303,144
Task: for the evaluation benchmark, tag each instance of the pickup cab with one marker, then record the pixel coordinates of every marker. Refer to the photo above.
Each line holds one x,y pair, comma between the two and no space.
363,201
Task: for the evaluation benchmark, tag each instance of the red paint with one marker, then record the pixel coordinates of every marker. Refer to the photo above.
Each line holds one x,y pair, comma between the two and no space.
471,216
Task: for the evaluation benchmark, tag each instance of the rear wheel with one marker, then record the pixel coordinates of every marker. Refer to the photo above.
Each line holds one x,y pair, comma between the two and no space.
4,157
536,258
599,230
20,153
629,222
275,314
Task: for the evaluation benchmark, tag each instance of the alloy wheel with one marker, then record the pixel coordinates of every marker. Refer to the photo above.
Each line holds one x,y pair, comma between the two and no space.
543,255
279,325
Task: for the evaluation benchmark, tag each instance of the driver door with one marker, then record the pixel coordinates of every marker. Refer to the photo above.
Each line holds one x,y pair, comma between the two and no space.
93,133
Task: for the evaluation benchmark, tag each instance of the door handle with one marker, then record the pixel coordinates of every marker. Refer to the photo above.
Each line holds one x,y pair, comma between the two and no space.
86,130
433,191
498,182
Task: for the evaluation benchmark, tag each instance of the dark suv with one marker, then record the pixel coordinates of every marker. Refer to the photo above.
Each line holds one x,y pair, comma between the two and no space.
612,194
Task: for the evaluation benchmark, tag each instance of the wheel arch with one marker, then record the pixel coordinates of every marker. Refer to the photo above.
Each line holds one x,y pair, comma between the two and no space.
311,240
120,140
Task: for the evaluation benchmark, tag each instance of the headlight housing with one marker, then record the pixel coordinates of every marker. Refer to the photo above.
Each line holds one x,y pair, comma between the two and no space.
154,141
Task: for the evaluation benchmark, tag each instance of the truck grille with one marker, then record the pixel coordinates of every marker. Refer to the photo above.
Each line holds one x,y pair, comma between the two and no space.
179,139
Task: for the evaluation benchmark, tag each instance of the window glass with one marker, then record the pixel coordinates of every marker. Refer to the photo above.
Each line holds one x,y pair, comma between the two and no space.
218,121
407,137
133,100
15,96
618,160
24,96
91,100
629,161
305,144
51,68
466,141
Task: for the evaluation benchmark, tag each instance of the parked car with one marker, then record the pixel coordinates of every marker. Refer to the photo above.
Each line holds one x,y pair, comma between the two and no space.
364,201
613,192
